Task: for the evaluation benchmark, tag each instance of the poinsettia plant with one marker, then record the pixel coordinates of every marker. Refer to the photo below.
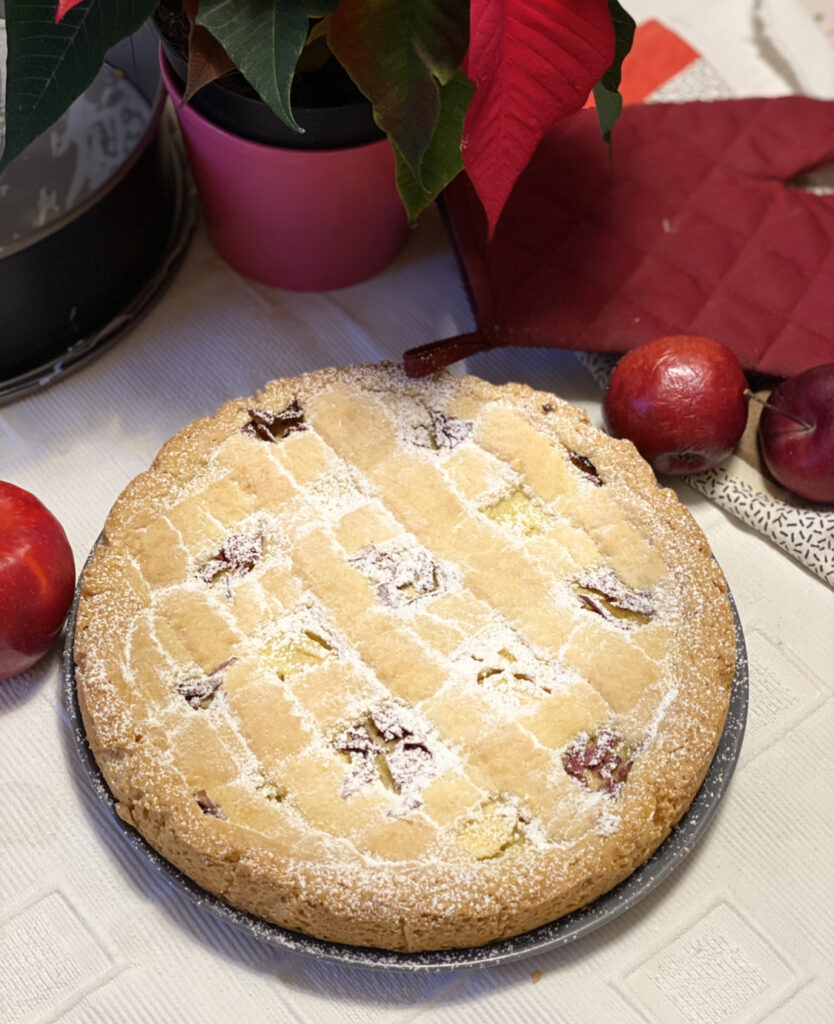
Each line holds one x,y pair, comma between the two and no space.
453,83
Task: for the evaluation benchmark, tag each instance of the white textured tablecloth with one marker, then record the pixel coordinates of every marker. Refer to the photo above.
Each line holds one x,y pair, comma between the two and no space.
743,931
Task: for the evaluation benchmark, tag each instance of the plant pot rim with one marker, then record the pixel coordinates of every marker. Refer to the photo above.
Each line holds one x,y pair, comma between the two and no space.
253,146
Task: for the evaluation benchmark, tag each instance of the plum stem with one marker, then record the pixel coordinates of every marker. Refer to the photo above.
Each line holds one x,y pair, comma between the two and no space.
773,408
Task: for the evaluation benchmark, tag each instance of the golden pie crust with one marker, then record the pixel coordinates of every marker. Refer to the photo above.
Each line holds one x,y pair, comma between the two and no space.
405,664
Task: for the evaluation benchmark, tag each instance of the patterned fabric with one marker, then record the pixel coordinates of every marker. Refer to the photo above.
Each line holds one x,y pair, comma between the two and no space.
806,533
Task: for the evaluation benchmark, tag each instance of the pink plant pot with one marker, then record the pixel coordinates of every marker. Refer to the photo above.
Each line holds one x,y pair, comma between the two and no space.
305,220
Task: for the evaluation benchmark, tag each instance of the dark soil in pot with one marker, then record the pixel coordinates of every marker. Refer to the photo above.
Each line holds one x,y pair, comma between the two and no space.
326,104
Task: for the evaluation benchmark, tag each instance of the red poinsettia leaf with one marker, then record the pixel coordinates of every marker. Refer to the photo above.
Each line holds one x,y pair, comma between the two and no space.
533,62
63,7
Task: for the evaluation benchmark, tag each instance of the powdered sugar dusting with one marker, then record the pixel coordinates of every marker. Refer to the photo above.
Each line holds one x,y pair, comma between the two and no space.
439,431
395,745
506,667
405,573
608,823
335,494
608,585
238,555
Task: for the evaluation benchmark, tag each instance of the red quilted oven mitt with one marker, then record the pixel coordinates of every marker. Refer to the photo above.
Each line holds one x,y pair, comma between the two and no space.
688,227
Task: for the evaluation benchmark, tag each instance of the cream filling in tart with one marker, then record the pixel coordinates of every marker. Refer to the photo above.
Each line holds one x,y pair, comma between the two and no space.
406,664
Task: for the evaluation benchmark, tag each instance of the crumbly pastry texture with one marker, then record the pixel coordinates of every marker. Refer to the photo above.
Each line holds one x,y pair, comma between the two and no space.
405,664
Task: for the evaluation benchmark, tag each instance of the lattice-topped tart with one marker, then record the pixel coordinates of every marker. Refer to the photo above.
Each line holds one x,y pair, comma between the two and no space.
413,665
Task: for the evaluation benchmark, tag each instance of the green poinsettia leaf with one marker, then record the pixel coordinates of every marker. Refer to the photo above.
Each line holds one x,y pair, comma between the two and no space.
442,160
264,39
609,102
401,53
50,65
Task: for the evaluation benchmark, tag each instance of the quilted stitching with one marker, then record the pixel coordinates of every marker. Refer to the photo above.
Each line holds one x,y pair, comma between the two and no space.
692,230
